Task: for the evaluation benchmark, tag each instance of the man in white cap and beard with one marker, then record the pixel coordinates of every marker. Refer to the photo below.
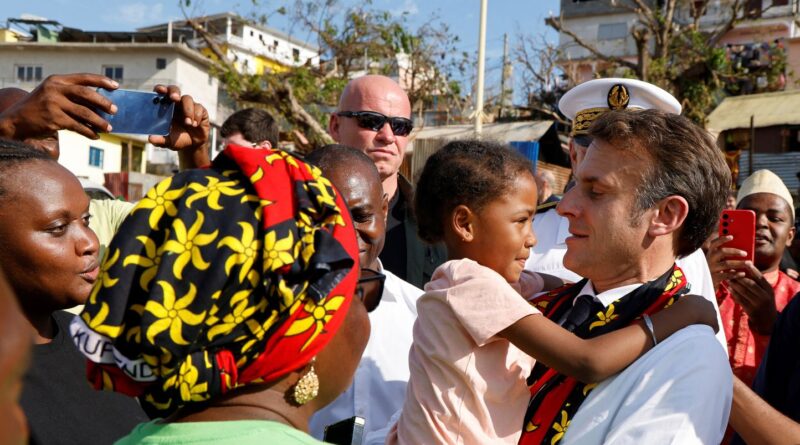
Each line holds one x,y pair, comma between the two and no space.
751,294
582,105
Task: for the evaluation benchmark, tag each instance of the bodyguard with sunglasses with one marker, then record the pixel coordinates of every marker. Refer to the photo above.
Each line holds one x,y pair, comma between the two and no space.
379,384
374,116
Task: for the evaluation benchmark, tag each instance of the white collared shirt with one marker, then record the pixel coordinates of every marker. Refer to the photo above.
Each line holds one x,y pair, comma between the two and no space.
679,392
379,384
547,256
609,296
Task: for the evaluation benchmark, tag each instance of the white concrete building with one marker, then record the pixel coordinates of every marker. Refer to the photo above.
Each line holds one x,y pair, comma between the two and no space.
607,25
137,66
90,159
169,53
255,48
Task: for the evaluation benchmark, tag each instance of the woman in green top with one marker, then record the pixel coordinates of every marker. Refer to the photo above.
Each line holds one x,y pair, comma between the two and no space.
225,304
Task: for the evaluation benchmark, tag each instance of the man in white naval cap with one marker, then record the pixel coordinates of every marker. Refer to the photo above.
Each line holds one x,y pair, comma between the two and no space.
750,304
583,105
649,189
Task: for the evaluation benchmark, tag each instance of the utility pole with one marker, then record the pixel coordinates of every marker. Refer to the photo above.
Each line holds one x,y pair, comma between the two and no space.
481,51
752,145
504,76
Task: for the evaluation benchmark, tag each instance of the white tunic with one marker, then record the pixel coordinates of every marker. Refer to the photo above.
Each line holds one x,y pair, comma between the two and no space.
379,384
679,392
547,256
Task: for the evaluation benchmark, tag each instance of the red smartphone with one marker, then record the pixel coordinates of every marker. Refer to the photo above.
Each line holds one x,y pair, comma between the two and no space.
741,224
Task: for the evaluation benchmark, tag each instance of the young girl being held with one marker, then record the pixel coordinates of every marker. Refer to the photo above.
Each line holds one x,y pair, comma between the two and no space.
476,333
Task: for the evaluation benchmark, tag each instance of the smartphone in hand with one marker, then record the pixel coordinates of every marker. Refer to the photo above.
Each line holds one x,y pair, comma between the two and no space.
346,432
139,112
741,224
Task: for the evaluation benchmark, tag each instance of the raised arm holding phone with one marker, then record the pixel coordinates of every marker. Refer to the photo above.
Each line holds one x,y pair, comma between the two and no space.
72,102
751,293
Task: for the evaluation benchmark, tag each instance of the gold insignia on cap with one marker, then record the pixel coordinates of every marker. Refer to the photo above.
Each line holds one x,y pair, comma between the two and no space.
584,118
618,97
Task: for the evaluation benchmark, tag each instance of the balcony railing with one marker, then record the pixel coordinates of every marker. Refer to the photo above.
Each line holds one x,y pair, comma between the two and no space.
282,55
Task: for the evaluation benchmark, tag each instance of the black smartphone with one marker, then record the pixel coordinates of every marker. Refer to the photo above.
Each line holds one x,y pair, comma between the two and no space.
138,112
346,432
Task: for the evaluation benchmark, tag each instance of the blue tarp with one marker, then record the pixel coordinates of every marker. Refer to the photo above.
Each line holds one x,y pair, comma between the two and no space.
529,149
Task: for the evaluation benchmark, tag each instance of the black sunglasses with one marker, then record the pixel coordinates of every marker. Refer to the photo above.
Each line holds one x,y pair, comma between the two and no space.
374,121
369,288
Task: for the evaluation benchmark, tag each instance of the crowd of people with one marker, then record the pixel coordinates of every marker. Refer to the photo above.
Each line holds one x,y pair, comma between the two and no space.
261,297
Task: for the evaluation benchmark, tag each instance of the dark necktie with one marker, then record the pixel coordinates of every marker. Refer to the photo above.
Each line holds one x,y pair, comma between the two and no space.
580,312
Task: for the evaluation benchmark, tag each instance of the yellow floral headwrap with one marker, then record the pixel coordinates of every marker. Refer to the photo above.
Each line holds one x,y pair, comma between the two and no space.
219,278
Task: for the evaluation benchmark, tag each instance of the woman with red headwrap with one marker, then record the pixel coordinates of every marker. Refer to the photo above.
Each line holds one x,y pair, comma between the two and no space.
226,303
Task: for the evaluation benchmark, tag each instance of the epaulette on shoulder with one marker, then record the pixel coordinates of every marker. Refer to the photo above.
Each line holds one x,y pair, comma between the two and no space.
546,206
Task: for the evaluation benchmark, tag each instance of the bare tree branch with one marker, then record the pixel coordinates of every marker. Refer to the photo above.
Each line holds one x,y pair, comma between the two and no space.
736,13
549,113
222,61
665,28
347,37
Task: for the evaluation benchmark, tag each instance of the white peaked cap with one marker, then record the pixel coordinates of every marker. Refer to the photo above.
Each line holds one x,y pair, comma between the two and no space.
764,181
589,100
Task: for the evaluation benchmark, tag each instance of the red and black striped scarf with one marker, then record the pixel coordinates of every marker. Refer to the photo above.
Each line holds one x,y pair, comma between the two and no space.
555,397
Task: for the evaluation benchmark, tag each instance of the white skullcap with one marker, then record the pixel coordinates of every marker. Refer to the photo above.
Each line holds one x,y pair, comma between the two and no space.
589,100
764,181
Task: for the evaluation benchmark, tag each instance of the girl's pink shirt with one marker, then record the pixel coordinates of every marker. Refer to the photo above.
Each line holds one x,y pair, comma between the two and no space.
467,384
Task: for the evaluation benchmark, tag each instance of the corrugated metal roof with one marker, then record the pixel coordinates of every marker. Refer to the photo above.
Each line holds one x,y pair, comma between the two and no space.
785,165
768,109
506,132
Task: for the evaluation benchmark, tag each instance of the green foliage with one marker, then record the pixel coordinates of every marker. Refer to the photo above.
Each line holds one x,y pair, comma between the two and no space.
686,59
350,40
359,37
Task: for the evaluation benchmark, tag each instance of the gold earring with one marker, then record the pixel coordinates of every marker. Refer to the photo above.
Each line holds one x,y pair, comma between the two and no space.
307,388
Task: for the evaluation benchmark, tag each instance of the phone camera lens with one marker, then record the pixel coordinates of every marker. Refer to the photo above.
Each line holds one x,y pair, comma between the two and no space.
724,216
724,231
155,100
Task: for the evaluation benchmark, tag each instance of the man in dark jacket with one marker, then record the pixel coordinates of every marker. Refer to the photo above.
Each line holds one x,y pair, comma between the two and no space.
374,116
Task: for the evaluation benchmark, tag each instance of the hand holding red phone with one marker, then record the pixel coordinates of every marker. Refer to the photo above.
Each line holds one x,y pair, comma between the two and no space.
741,226
724,263
757,297
727,255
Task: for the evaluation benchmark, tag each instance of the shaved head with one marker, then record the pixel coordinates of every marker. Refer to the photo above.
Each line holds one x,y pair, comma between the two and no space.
378,94
47,142
545,184
379,88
